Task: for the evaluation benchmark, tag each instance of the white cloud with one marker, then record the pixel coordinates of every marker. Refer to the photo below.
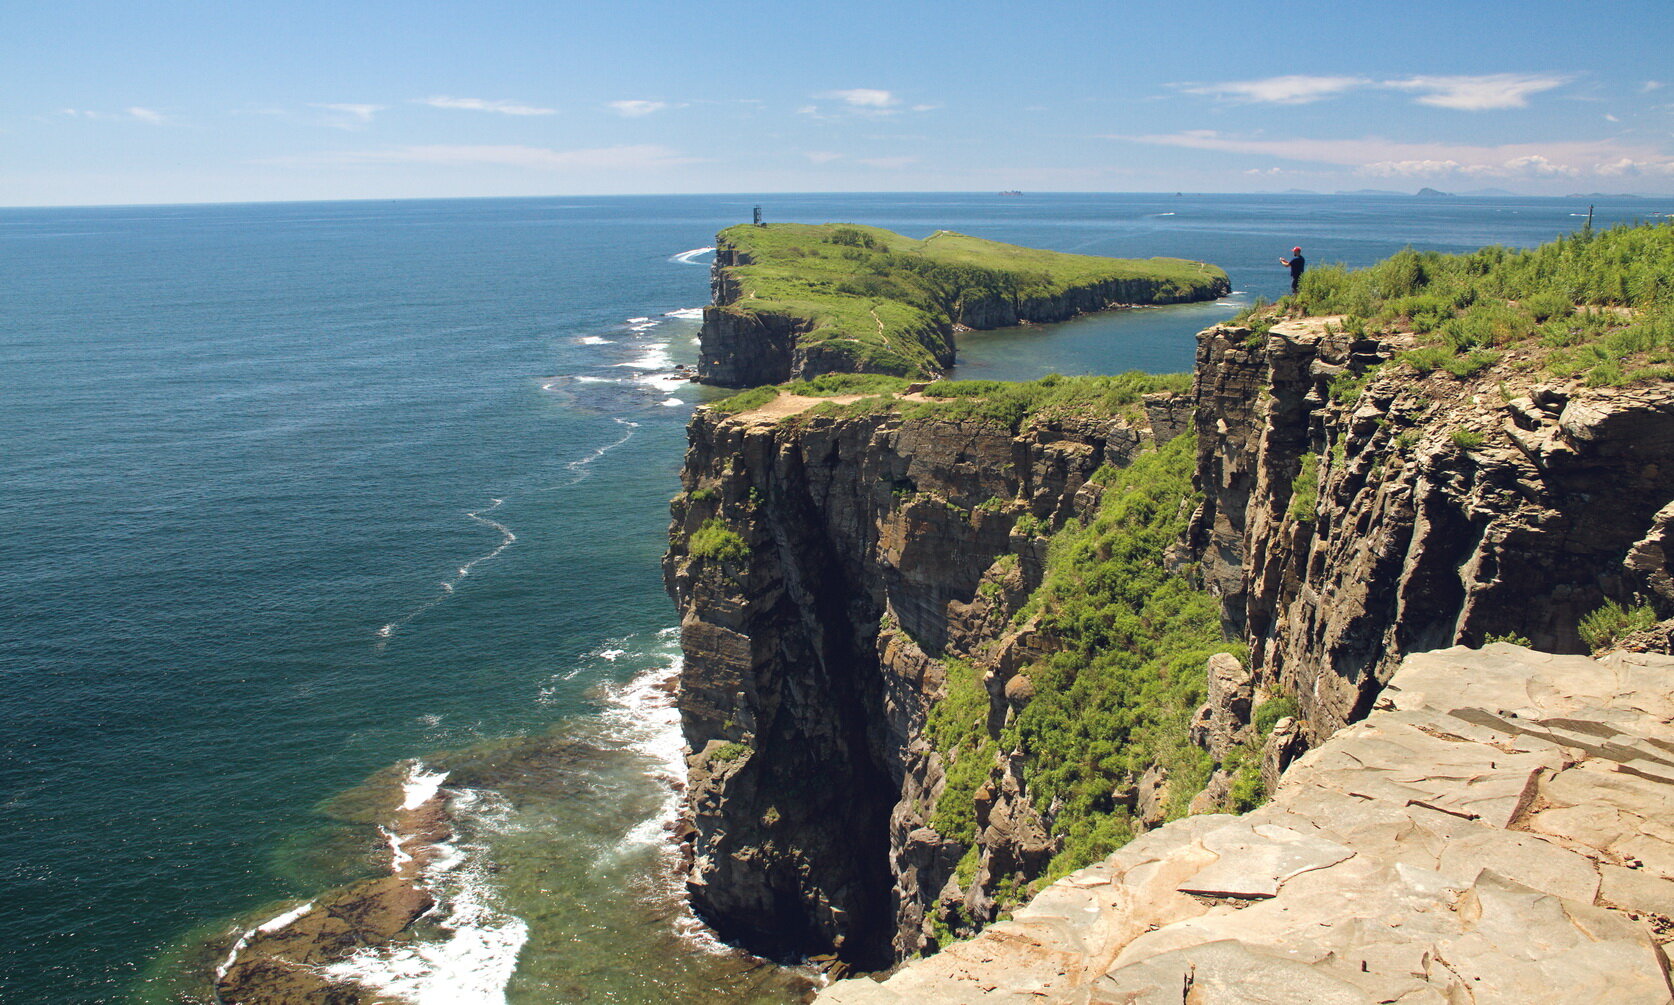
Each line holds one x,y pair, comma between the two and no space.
808,110
1289,90
1393,158
1650,85
863,97
1467,93
147,115
484,105
636,109
1610,118
1477,94
622,158
889,163
822,156
1629,166
349,116
925,108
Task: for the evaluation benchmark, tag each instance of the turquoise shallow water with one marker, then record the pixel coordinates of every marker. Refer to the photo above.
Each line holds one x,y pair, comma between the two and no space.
294,494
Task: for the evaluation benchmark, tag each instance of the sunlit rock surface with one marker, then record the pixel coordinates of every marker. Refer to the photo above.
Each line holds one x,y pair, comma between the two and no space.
1499,829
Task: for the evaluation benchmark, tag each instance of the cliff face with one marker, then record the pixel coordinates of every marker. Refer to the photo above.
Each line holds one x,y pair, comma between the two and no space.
875,546
1350,519
1001,312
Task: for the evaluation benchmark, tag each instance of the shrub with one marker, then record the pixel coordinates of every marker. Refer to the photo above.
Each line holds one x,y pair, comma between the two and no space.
1611,623
729,752
713,540
1269,712
1466,439
1471,364
1304,489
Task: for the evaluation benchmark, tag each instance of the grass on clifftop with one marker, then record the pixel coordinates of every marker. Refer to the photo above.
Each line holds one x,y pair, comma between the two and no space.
1008,404
1594,305
1119,694
889,303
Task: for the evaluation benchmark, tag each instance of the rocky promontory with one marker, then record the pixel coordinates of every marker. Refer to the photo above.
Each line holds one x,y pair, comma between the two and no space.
792,301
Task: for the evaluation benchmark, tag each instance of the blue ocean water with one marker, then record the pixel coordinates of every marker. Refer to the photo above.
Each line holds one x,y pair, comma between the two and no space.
299,496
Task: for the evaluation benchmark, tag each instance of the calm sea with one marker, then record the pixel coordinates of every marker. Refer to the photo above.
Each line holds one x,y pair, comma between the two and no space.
307,502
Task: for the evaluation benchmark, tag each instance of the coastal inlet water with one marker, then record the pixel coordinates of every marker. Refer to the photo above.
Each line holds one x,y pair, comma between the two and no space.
311,510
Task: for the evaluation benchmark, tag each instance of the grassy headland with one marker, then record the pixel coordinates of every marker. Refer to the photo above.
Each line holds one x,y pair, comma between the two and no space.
865,299
1599,306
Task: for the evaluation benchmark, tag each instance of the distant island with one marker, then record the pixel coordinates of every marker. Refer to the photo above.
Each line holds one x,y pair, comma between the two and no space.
798,300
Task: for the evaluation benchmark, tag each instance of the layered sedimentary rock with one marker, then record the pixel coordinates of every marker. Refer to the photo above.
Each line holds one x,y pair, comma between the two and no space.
1354,514
874,546
1496,831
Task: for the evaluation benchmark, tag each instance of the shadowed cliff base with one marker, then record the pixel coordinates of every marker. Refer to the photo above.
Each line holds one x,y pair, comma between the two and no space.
793,301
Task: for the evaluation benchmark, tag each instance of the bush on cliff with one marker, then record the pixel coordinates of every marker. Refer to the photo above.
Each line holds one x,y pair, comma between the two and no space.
713,540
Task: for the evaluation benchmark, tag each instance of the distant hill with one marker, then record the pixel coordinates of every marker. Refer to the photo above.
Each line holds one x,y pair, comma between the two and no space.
1430,193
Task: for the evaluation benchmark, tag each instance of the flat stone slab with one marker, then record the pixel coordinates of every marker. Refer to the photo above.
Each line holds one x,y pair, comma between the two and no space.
1499,830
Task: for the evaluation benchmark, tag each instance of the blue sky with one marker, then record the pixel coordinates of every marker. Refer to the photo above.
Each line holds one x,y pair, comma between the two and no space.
104,102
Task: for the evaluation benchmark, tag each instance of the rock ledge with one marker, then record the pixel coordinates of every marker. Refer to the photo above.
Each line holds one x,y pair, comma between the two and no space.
1500,829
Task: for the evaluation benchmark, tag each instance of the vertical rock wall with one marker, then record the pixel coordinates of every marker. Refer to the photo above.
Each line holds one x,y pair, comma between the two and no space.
1443,510
812,661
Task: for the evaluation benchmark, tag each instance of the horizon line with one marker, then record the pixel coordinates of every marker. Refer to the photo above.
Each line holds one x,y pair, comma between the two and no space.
1383,193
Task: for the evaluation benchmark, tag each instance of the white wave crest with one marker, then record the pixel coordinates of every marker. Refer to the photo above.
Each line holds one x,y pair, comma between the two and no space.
275,924
420,786
445,588
595,340
686,257
688,313
474,960
655,357
579,468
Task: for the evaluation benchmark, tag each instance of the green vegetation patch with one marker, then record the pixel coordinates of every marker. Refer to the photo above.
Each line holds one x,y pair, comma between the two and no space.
885,303
1611,623
1119,695
1304,489
745,401
714,540
1007,404
1595,305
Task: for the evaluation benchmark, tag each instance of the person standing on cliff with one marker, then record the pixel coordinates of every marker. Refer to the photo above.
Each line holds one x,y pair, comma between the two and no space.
1297,263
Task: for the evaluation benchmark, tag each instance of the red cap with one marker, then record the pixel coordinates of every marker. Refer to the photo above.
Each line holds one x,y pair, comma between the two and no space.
1296,251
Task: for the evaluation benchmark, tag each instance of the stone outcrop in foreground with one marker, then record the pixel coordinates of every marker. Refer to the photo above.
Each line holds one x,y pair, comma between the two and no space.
1500,829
